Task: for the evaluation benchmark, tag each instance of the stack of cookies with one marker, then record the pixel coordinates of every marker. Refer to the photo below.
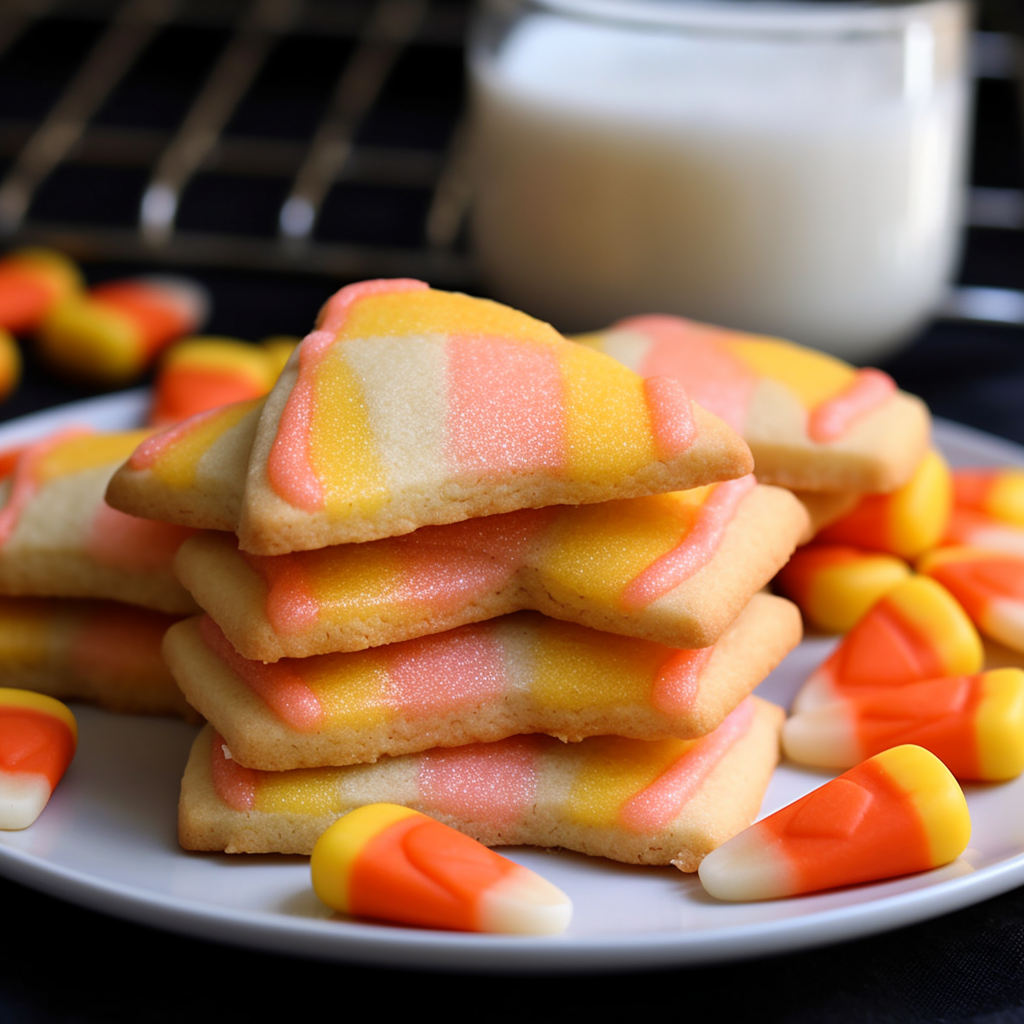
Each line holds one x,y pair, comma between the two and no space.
87,592
448,541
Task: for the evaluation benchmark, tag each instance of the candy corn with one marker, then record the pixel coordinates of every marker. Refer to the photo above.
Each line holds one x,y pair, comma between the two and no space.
974,724
898,813
110,335
204,372
996,492
10,363
32,283
38,736
917,631
989,585
970,527
906,522
392,863
835,584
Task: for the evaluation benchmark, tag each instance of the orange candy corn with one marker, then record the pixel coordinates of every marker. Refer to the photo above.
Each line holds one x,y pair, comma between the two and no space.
973,528
111,335
906,522
203,373
996,492
898,813
917,631
38,736
32,283
973,724
990,586
835,584
10,363
392,863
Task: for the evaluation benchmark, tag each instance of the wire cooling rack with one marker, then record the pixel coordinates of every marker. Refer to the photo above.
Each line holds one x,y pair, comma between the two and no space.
321,136
317,135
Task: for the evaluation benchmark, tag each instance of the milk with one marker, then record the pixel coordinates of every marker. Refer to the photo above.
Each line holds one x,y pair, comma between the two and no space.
807,189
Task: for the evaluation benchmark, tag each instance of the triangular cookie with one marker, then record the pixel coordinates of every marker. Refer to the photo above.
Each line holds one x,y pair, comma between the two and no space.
812,421
409,406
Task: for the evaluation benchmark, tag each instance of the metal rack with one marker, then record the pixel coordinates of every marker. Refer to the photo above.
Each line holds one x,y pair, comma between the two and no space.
275,134
317,136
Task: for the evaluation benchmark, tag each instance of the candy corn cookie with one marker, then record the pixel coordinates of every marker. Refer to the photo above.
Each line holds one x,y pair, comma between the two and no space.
673,568
408,407
812,422
389,862
659,802
519,674
59,538
101,652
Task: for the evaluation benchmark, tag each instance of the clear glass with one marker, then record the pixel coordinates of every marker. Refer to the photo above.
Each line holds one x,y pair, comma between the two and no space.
794,169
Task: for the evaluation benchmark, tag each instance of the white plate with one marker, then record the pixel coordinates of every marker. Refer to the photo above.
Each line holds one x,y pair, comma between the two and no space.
107,840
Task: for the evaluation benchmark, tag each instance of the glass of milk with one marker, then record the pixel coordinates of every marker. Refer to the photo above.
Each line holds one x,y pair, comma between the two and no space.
790,168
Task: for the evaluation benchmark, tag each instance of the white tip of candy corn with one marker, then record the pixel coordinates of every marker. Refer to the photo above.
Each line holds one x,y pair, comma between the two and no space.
23,796
1004,621
189,297
824,736
817,692
524,903
744,868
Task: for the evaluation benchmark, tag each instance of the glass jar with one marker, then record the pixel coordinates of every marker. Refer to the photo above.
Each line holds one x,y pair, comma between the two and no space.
789,168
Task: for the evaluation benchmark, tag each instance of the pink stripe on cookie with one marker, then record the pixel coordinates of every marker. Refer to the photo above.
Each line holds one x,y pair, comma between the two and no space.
290,465
25,478
236,786
127,542
279,686
694,551
672,421
492,782
445,566
291,604
678,681
655,807
694,354
463,668
869,389
506,406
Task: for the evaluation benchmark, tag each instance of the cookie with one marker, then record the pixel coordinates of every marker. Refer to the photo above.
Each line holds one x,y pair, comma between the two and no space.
812,421
192,474
59,538
409,407
519,674
662,802
100,652
673,568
